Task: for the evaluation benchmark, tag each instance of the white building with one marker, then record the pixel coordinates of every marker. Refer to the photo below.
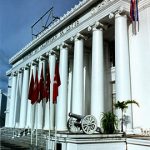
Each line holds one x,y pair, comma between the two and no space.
100,60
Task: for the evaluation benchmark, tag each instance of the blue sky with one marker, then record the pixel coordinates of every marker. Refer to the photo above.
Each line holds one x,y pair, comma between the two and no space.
16,18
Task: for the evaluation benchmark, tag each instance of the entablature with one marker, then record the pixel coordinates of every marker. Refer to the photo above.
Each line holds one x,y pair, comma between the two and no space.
80,24
96,13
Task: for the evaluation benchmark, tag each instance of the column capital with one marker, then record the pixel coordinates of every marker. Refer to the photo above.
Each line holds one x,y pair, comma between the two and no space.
26,67
58,47
14,73
120,12
51,52
42,58
111,15
34,63
97,25
29,64
17,71
37,59
54,53
65,45
72,38
20,70
78,36
47,53
120,15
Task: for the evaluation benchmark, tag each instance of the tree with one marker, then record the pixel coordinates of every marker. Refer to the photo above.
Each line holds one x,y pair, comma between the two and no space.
124,105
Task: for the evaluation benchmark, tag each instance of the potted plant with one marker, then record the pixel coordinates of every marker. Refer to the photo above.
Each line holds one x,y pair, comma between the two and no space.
109,122
124,105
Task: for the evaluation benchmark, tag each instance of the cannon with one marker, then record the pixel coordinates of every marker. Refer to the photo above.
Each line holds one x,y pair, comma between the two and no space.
77,124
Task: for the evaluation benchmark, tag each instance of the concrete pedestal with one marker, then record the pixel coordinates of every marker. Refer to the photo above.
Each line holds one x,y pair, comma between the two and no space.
70,141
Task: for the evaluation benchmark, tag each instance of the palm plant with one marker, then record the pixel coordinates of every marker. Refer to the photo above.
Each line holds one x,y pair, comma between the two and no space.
109,122
124,105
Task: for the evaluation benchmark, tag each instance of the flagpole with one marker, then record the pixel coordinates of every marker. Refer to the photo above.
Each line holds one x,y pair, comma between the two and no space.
36,123
49,120
56,84
55,128
32,123
48,87
30,97
33,96
50,100
31,136
49,135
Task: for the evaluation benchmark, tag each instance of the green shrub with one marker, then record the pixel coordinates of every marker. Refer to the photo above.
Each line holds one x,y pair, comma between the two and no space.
109,122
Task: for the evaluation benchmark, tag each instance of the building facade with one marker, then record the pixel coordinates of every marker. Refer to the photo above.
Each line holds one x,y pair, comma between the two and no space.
100,61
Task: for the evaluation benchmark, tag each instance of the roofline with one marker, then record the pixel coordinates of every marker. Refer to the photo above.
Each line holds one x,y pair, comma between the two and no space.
74,12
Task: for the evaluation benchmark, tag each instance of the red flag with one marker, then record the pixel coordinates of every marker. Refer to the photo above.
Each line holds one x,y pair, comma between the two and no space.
47,84
31,88
134,15
41,86
56,83
36,89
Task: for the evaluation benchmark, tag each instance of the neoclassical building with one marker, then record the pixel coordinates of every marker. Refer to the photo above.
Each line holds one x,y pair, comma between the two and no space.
100,61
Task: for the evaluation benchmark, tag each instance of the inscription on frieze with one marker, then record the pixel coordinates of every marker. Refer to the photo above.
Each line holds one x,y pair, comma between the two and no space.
100,6
52,39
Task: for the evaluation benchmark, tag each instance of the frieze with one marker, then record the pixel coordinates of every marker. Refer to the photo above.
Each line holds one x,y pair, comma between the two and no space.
55,37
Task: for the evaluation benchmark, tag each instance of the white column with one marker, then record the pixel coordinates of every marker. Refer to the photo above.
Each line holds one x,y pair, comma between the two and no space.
70,76
52,60
61,107
47,107
24,98
18,98
12,100
122,58
77,98
30,107
122,66
39,106
8,101
97,79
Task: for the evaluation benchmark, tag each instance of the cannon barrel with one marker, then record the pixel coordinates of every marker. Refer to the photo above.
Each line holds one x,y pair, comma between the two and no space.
76,116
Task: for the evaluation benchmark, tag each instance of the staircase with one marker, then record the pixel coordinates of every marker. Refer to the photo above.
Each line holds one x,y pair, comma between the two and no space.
21,139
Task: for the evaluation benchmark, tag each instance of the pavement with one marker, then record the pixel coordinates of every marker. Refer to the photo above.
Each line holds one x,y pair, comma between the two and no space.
9,140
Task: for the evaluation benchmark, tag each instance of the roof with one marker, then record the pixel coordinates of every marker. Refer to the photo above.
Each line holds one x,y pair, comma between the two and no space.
70,15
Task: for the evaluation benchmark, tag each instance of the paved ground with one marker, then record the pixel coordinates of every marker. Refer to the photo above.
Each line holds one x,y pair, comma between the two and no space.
10,146
9,140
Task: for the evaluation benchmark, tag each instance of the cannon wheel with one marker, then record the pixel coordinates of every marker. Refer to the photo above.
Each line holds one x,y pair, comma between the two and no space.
89,124
71,125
